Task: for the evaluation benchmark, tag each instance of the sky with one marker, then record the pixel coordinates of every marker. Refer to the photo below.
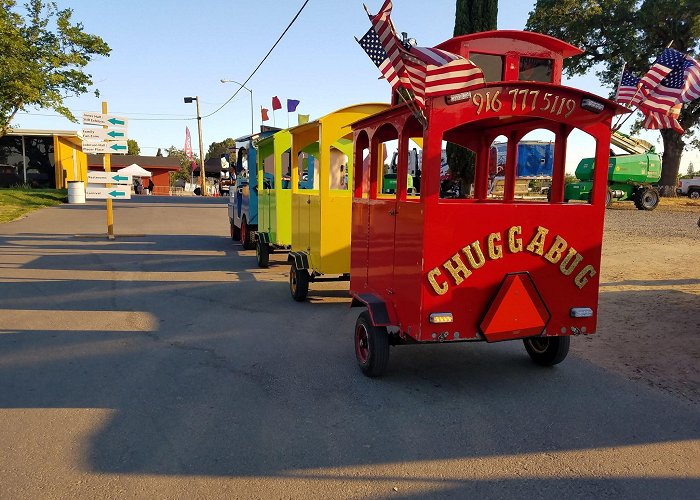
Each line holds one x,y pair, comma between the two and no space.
163,51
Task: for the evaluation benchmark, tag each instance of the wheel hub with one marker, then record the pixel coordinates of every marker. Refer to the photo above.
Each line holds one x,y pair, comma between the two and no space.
361,343
539,344
293,281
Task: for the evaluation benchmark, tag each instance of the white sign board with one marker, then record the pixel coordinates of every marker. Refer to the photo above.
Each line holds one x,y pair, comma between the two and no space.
105,147
108,178
108,193
93,118
102,134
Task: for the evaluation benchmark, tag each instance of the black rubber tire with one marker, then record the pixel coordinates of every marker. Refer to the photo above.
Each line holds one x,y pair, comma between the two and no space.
246,237
646,198
547,351
298,283
262,252
694,194
608,198
235,232
371,346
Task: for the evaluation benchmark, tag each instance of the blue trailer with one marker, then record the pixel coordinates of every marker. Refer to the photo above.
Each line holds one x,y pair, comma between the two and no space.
535,158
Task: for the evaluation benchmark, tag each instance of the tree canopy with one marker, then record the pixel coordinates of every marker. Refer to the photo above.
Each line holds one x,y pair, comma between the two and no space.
216,149
633,32
186,165
42,56
133,147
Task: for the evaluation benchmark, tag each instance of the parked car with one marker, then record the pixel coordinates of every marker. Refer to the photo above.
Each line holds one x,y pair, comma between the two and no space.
9,176
689,188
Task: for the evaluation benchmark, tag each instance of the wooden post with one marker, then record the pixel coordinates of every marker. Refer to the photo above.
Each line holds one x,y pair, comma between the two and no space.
107,162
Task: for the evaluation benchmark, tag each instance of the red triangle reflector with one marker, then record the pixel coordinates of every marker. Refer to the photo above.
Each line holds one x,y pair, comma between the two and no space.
517,311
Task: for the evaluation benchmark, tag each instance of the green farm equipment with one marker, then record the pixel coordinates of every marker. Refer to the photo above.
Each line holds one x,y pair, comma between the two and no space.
630,176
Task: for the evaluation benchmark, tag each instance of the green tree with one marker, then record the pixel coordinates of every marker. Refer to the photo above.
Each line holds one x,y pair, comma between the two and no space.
691,169
471,16
216,149
42,56
631,32
185,171
133,147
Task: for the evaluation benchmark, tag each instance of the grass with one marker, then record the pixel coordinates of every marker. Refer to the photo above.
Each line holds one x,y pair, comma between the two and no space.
14,203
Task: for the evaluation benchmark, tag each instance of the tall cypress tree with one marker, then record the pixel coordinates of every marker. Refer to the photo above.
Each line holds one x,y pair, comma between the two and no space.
471,16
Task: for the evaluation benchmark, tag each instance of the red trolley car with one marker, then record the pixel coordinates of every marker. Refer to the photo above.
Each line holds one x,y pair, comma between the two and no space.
490,266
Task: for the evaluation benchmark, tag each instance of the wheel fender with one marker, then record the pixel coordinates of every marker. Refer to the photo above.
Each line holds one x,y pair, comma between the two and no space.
378,310
300,259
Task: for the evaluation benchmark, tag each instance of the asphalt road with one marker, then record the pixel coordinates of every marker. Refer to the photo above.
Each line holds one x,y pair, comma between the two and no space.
166,365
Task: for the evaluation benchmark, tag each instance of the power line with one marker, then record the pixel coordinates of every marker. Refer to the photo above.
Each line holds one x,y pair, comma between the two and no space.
261,62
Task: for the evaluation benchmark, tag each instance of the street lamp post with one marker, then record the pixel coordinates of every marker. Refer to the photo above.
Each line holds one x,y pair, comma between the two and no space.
252,127
202,183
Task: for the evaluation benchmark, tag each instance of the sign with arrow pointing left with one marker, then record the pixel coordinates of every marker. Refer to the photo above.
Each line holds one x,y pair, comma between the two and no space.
97,177
105,147
101,134
92,118
108,193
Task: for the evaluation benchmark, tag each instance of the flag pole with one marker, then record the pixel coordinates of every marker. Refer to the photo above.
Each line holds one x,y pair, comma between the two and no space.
617,91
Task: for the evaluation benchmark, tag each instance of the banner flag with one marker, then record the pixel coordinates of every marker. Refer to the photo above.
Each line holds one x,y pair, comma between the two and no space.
188,144
276,104
263,112
303,119
292,105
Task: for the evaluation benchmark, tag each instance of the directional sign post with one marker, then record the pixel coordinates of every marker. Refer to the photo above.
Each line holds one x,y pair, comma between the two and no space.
108,193
111,138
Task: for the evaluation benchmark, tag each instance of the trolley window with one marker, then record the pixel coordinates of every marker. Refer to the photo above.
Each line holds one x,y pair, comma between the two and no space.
457,169
307,166
490,64
339,177
387,166
268,181
287,169
535,69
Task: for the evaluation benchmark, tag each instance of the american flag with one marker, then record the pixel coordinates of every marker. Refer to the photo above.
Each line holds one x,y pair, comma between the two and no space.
668,61
428,72
666,94
447,73
691,86
371,45
627,89
390,42
657,121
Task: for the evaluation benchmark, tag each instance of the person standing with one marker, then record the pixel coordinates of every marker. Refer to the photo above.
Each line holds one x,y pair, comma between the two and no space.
150,186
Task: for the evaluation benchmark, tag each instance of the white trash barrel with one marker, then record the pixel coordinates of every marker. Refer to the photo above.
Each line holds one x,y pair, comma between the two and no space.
76,192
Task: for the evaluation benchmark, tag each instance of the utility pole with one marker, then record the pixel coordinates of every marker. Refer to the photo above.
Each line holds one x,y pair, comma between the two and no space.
202,181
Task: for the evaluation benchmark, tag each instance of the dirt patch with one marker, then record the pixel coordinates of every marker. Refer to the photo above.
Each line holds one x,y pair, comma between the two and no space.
649,317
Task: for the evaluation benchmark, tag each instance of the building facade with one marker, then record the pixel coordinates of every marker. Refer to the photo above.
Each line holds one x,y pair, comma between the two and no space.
44,158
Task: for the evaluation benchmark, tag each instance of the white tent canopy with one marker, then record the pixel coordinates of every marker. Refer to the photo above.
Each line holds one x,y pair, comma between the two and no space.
135,171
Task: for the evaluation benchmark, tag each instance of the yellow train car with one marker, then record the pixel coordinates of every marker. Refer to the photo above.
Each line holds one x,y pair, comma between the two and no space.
322,173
